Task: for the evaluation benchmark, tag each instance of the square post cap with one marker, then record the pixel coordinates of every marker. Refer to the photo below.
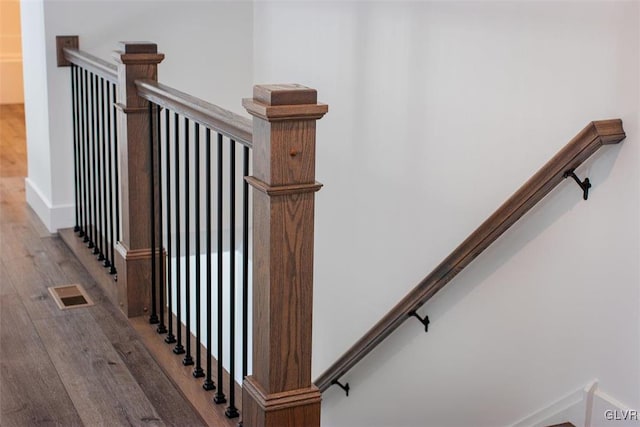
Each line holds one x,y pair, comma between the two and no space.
276,102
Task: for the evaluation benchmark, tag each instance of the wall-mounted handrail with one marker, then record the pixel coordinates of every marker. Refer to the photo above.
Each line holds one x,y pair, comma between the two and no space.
233,125
97,66
582,146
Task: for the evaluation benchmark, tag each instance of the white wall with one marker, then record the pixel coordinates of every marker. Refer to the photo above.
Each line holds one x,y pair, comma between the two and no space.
35,108
437,113
194,37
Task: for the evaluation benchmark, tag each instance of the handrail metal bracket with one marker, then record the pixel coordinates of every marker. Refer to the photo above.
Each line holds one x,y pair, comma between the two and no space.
345,387
584,185
424,320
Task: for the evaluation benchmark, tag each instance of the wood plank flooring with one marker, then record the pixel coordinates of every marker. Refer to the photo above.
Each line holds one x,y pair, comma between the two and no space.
12,154
84,366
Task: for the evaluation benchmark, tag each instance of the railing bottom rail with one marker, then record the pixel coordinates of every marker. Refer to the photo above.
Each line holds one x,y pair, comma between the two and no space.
182,376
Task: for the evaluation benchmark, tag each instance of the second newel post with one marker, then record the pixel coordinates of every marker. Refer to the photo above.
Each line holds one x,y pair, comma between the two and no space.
280,392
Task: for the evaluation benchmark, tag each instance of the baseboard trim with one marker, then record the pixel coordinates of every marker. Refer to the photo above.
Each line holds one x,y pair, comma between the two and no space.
569,408
54,217
585,407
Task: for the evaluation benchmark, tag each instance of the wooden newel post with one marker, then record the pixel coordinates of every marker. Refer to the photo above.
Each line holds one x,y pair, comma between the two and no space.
136,61
280,392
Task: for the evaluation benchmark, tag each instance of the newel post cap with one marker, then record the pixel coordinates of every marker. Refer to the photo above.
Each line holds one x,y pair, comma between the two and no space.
138,53
276,102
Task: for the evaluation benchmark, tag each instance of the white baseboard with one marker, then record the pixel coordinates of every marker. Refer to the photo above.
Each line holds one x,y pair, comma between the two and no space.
54,217
570,408
585,407
607,411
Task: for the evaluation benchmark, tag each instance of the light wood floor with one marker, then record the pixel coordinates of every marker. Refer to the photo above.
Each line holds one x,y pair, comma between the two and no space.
84,366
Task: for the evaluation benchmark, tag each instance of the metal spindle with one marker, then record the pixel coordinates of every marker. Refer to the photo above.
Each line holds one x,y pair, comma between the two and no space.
94,141
74,113
197,372
153,318
101,177
179,348
83,140
162,328
117,177
87,153
110,162
220,397
170,338
232,411
188,359
208,383
245,261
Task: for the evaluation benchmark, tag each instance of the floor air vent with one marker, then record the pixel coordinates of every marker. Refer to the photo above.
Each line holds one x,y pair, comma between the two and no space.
70,296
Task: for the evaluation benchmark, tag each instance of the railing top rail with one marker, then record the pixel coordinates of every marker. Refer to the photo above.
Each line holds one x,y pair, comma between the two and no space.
581,147
233,125
92,63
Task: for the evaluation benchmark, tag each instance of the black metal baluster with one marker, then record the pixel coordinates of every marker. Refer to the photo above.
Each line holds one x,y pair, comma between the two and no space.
170,338
74,113
208,383
179,348
101,177
153,318
116,174
188,359
88,235
110,262
220,397
232,411
162,278
197,372
245,261
83,142
105,174
94,189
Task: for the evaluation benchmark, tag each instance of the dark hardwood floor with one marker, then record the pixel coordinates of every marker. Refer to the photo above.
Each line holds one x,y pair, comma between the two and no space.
84,366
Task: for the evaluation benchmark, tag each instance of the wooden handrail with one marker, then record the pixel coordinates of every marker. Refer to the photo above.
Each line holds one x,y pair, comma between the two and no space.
234,126
92,63
587,142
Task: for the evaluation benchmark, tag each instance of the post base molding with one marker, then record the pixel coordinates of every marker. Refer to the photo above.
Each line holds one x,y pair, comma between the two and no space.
285,409
134,280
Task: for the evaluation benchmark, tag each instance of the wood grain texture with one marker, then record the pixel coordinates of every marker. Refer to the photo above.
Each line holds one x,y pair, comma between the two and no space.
215,118
169,403
283,224
135,60
274,113
292,408
97,272
13,148
133,290
134,66
285,94
32,391
93,372
182,376
91,63
581,147
63,42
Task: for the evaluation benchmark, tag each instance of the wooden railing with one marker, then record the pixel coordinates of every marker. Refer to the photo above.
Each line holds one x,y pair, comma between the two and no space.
226,122
561,166
278,391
